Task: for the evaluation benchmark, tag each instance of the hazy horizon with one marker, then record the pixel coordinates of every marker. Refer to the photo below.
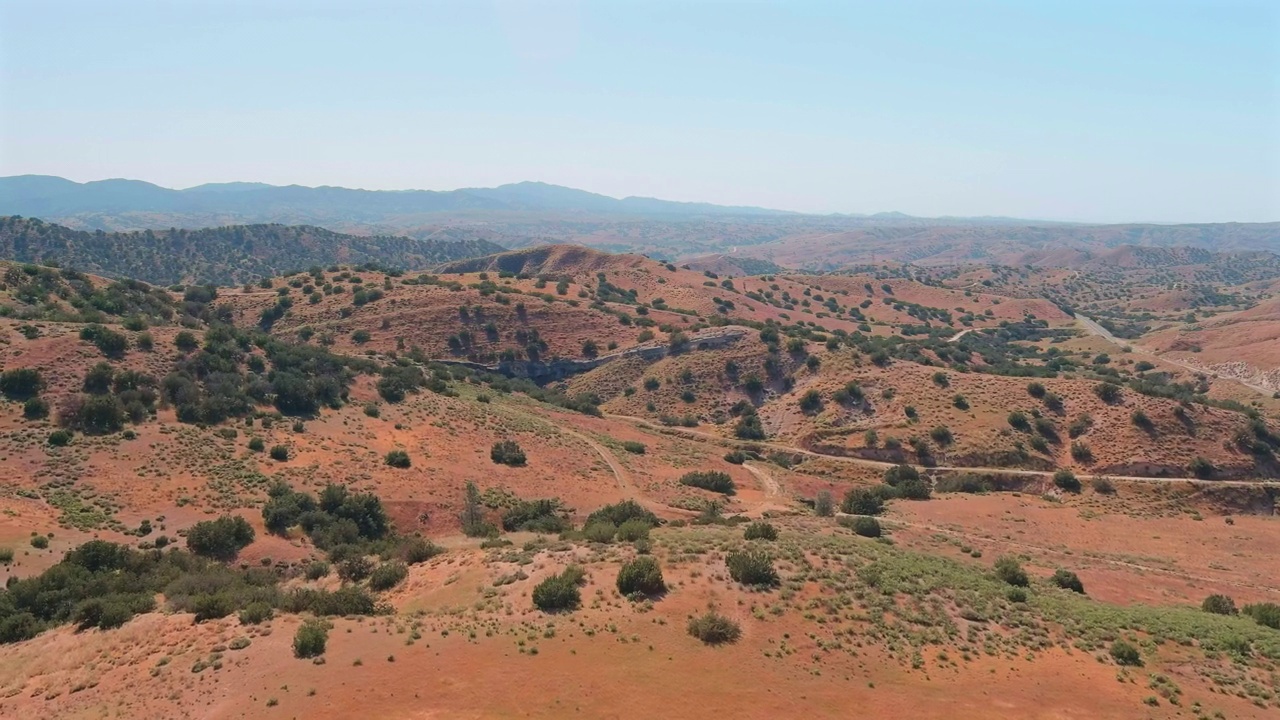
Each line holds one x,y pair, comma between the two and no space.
1093,112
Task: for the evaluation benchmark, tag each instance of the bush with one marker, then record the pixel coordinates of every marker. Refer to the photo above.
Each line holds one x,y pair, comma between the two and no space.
823,504
1125,654
621,513
1107,392
256,445
713,628
419,550
752,568
59,438
862,501
40,542
310,639
1102,485
760,531
867,526
1035,390
633,530
387,575
600,531
255,613
556,593
1219,605
1066,480
735,457
712,480
1267,614
35,409
21,383
398,459
507,452
316,570
1068,580
642,576
220,539
280,453
633,447
1010,570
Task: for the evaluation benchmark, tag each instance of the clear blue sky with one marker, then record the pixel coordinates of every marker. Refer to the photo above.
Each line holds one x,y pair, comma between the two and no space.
1080,110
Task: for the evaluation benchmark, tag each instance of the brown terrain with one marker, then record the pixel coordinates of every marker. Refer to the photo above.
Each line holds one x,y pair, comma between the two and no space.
977,376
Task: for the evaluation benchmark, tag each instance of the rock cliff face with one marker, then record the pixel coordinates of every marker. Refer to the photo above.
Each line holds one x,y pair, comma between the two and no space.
560,368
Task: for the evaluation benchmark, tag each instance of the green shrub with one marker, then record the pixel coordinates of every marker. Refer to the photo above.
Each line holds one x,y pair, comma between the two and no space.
256,445
557,593
751,568
316,570
712,480
620,513
1102,485
1010,570
507,452
419,550
255,613
713,628
21,383
1266,613
735,457
1219,605
1016,594
1125,654
398,459
1107,392
823,504
310,640
601,531
6,555
279,453
40,542
862,501
760,531
388,575
633,530
1068,580
642,575
633,447
35,409
1066,480
220,539
867,526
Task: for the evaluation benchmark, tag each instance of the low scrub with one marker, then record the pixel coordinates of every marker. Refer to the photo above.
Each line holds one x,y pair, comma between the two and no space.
641,576
713,628
752,568
712,480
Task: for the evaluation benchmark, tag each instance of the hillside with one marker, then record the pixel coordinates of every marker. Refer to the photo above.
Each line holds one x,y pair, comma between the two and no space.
225,255
914,489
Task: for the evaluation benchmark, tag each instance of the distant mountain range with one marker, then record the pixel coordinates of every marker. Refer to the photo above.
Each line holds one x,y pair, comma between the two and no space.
227,255
54,197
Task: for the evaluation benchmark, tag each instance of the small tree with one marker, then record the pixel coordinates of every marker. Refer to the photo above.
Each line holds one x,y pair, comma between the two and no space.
867,527
507,452
823,504
1219,605
1068,580
712,480
387,575
398,459
220,539
472,517
280,453
1010,570
1107,392
642,576
862,501
310,640
1125,654
1067,480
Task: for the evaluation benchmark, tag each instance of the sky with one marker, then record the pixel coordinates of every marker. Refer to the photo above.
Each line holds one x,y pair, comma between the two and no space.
1113,111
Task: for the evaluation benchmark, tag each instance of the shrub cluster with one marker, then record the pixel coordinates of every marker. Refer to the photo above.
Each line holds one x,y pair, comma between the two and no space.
712,480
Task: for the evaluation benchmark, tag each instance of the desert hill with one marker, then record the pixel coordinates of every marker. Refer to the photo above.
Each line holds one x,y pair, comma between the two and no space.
885,484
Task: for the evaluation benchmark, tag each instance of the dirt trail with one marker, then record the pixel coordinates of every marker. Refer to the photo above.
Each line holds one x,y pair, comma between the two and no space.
945,468
959,335
773,499
628,488
1094,328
